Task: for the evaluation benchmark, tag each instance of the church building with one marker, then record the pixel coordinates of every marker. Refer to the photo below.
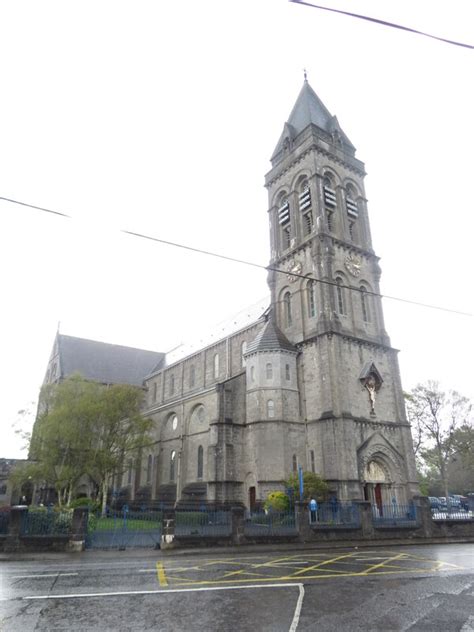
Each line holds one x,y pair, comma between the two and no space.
312,381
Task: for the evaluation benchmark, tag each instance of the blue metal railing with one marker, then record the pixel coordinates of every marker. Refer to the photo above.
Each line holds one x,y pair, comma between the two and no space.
336,515
394,515
192,522
124,529
270,523
46,522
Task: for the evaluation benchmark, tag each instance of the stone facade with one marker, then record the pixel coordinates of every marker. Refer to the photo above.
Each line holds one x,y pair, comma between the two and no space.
311,382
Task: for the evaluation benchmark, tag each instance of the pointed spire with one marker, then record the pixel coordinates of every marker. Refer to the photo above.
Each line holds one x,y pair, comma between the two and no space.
309,110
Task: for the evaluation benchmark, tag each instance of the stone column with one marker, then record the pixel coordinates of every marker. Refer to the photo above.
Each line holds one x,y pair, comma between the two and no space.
365,510
18,516
80,519
238,521
423,514
305,532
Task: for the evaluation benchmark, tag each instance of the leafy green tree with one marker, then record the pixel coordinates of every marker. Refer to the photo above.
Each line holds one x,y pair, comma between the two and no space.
314,486
437,419
85,428
278,501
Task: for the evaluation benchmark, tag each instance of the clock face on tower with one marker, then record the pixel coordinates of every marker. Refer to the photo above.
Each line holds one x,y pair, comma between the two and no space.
294,267
353,264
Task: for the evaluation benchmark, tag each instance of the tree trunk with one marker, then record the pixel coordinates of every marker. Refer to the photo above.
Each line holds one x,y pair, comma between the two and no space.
104,495
69,495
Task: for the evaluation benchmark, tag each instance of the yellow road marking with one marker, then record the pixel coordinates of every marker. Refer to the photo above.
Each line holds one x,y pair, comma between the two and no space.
160,573
312,568
389,559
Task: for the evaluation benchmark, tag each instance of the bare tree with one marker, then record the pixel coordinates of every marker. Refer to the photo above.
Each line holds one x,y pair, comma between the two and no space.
436,417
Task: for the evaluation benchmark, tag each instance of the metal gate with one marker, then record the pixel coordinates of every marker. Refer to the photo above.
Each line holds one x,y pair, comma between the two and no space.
124,529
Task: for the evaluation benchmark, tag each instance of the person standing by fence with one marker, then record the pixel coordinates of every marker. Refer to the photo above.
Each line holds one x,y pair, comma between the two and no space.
313,510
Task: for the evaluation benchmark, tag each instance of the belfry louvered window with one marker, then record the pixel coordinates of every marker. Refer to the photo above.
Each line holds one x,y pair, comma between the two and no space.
329,196
351,208
351,204
284,222
304,201
284,213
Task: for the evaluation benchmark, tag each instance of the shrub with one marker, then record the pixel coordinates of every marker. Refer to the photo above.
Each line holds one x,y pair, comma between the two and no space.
85,502
277,501
314,486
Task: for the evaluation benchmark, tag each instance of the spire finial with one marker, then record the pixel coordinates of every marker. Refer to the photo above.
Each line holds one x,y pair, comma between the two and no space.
305,74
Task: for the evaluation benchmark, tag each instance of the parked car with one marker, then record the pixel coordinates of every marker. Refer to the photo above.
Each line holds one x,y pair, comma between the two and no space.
435,503
443,505
461,502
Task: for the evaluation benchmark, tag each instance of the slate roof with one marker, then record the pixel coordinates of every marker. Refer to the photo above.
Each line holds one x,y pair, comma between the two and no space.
103,362
309,109
270,338
245,318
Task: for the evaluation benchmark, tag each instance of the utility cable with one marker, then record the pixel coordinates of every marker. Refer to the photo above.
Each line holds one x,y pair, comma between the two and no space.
250,263
383,23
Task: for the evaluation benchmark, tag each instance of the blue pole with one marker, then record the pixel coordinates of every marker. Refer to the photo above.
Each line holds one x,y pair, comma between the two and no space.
300,476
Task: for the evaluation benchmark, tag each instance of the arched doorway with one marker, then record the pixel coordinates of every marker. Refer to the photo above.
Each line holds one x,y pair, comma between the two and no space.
377,484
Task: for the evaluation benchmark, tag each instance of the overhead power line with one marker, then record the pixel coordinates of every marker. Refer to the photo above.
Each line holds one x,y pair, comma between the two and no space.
383,23
247,263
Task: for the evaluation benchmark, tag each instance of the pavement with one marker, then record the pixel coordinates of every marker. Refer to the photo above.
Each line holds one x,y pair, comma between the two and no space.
230,549
384,588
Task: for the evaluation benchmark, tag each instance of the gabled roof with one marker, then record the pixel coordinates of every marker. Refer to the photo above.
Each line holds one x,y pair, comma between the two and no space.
237,322
309,110
270,338
103,362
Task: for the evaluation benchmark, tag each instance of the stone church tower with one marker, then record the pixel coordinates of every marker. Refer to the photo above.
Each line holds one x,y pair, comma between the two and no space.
351,416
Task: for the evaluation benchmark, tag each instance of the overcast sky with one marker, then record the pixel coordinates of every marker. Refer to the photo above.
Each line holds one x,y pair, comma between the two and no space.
161,117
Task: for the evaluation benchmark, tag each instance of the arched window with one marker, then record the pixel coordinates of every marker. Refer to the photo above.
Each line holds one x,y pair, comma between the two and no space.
340,300
311,293
200,462
243,349
171,384
287,309
269,371
270,409
252,374
216,366
364,303
199,414
311,455
192,376
155,387
173,421
287,372
295,463
172,465
149,468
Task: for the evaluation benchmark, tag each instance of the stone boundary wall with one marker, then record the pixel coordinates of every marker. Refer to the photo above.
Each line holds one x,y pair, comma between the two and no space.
426,530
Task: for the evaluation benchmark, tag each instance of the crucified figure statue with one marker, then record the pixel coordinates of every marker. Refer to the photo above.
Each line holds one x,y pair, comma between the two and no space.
371,386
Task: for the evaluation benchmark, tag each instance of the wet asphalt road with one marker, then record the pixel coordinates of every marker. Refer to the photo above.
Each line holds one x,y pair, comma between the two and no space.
399,588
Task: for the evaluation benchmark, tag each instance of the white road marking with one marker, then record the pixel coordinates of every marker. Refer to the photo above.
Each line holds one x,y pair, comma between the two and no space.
147,570
39,576
158,592
299,604
468,626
